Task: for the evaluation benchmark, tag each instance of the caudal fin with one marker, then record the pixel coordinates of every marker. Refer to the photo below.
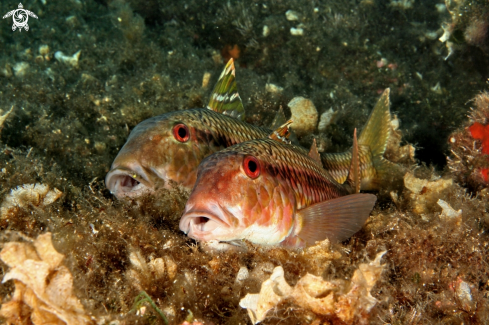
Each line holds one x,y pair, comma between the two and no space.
337,219
376,132
375,136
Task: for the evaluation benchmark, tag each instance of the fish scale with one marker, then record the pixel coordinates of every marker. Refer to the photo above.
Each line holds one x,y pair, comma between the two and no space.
292,165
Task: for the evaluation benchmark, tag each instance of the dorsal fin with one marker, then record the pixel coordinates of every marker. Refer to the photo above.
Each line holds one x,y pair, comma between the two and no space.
279,119
225,97
314,153
282,133
353,178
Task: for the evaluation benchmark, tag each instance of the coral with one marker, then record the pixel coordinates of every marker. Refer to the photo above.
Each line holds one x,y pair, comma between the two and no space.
43,285
349,301
470,147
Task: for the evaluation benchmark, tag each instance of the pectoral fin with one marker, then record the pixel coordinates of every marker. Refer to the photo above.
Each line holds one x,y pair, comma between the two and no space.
225,97
337,219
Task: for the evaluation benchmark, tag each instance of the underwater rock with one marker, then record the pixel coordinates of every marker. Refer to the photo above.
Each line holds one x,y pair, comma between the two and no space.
320,256
27,195
304,115
69,60
424,193
205,79
291,15
243,274
297,31
44,51
3,117
395,152
43,285
349,301
448,213
274,89
21,69
463,291
326,119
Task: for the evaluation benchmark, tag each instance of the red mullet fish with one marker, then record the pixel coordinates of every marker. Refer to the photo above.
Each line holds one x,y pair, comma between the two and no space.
272,193
168,148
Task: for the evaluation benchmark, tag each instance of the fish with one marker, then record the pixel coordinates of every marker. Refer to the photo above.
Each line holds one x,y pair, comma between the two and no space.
166,150
273,193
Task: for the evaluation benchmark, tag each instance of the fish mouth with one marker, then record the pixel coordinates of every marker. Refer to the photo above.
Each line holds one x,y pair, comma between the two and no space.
124,183
205,226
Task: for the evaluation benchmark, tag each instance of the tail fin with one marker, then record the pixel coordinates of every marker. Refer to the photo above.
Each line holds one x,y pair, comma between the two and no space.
377,130
375,136
354,177
372,144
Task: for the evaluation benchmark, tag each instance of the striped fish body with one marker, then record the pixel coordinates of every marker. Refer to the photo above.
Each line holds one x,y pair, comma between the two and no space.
169,147
270,193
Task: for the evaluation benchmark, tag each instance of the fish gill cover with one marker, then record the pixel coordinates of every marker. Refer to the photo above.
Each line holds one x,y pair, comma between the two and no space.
87,72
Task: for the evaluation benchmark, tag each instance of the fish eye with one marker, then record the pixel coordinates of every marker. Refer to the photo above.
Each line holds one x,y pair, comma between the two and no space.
251,167
181,133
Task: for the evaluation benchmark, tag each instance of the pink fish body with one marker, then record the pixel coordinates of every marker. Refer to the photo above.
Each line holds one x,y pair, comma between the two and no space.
270,193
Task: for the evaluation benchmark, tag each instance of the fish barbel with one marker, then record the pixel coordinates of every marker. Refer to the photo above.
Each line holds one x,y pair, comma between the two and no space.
271,193
168,148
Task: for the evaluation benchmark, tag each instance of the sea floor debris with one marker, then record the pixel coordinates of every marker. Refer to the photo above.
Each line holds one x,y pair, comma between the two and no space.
43,285
349,301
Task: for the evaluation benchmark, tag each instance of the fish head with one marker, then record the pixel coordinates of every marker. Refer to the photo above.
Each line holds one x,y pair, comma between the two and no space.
160,150
238,196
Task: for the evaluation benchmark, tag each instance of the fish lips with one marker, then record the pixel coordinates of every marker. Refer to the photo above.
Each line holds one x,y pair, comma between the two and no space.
203,225
124,183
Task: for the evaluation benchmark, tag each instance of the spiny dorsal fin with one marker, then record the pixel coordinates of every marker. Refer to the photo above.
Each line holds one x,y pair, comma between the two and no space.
225,97
279,119
353,178
314,153
282,133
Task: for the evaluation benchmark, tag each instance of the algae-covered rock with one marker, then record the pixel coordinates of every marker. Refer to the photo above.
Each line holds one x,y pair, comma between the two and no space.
304,115
43,285
28,195
350,301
